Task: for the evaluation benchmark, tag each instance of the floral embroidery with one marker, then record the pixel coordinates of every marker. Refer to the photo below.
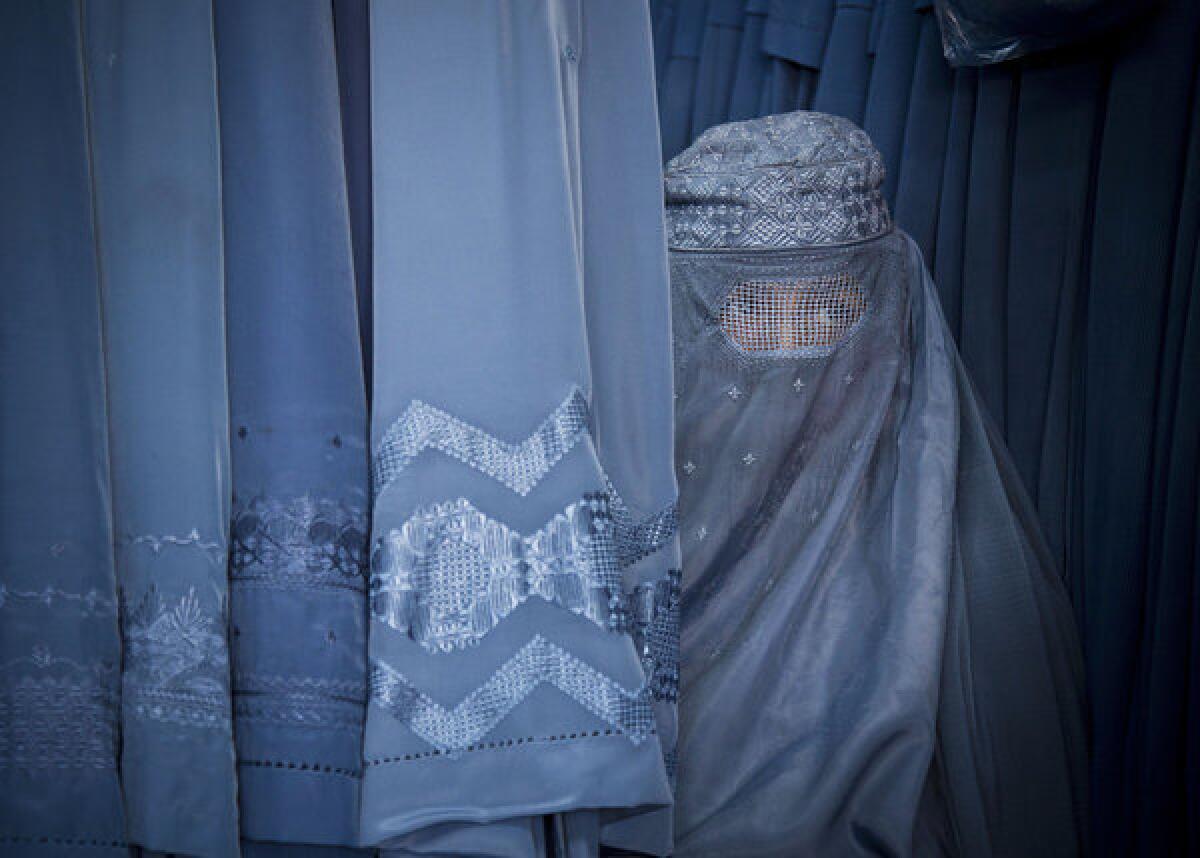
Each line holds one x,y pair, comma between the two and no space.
176,662
299,542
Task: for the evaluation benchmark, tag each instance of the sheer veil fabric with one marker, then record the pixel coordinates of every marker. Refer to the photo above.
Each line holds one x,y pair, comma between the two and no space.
878,654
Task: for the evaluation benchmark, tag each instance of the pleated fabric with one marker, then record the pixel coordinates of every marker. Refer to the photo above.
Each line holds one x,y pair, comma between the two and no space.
794,37
60,646
719,51
891,85
1171,635
298,426
1141,172
677,75
1054,145
846,62
351,22
923,152
522,655
156,170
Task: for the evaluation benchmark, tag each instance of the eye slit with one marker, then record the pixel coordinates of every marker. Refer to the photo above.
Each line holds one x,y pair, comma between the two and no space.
790,316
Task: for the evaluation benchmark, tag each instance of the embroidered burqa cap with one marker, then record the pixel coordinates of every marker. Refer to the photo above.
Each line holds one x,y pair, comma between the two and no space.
877,656
796,180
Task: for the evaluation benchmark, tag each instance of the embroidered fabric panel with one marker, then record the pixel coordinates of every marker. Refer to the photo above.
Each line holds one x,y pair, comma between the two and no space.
519,466
176,663
538,662
56,713
655,610
451,573
794,180
300,701
638,539
298,542
91,603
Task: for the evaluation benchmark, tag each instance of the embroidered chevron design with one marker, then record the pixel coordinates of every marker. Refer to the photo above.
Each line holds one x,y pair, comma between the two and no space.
638,539
520,466
537,662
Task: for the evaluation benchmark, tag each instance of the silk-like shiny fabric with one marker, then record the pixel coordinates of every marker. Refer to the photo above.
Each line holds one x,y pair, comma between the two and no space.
878,653
521,434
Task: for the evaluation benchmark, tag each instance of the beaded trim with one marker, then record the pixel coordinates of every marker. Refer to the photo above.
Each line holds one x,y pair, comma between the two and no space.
519,466
451,573
536,663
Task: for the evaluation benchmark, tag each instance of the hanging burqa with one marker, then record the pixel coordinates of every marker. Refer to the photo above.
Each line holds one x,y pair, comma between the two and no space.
878,656
521,646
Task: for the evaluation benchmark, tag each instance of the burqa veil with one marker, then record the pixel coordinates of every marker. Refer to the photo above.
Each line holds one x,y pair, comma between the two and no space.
878,656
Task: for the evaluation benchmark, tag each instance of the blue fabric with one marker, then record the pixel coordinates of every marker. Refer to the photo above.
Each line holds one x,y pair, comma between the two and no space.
719,53
984,335
298,421
351,30
891,86
1057,124
846,65
952,202
156,169
752,63
923,153
523,283
60,648
1141,170
677,76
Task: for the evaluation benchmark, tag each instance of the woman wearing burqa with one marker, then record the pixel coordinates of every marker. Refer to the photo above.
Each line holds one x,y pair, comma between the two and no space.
878,655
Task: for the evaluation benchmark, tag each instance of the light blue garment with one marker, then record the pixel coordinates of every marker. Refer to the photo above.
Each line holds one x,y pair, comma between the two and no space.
60,650
298,412
155,157
521,432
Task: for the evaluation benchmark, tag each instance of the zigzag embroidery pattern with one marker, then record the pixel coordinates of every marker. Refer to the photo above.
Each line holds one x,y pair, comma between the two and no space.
537,662
519,466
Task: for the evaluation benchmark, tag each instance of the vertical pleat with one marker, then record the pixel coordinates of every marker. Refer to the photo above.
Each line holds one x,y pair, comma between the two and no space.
156,161
60,649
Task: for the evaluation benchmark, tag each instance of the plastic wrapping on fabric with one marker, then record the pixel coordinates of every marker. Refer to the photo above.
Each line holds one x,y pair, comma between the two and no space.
984,32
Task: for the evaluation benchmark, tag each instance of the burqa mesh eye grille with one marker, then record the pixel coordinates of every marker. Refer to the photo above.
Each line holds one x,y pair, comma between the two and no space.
793,317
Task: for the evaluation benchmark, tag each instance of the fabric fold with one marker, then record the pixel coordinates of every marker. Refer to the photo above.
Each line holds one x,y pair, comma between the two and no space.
298,427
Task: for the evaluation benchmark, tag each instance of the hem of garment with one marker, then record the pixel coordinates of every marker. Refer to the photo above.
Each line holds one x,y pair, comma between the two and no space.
18,845
284,803
555,778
